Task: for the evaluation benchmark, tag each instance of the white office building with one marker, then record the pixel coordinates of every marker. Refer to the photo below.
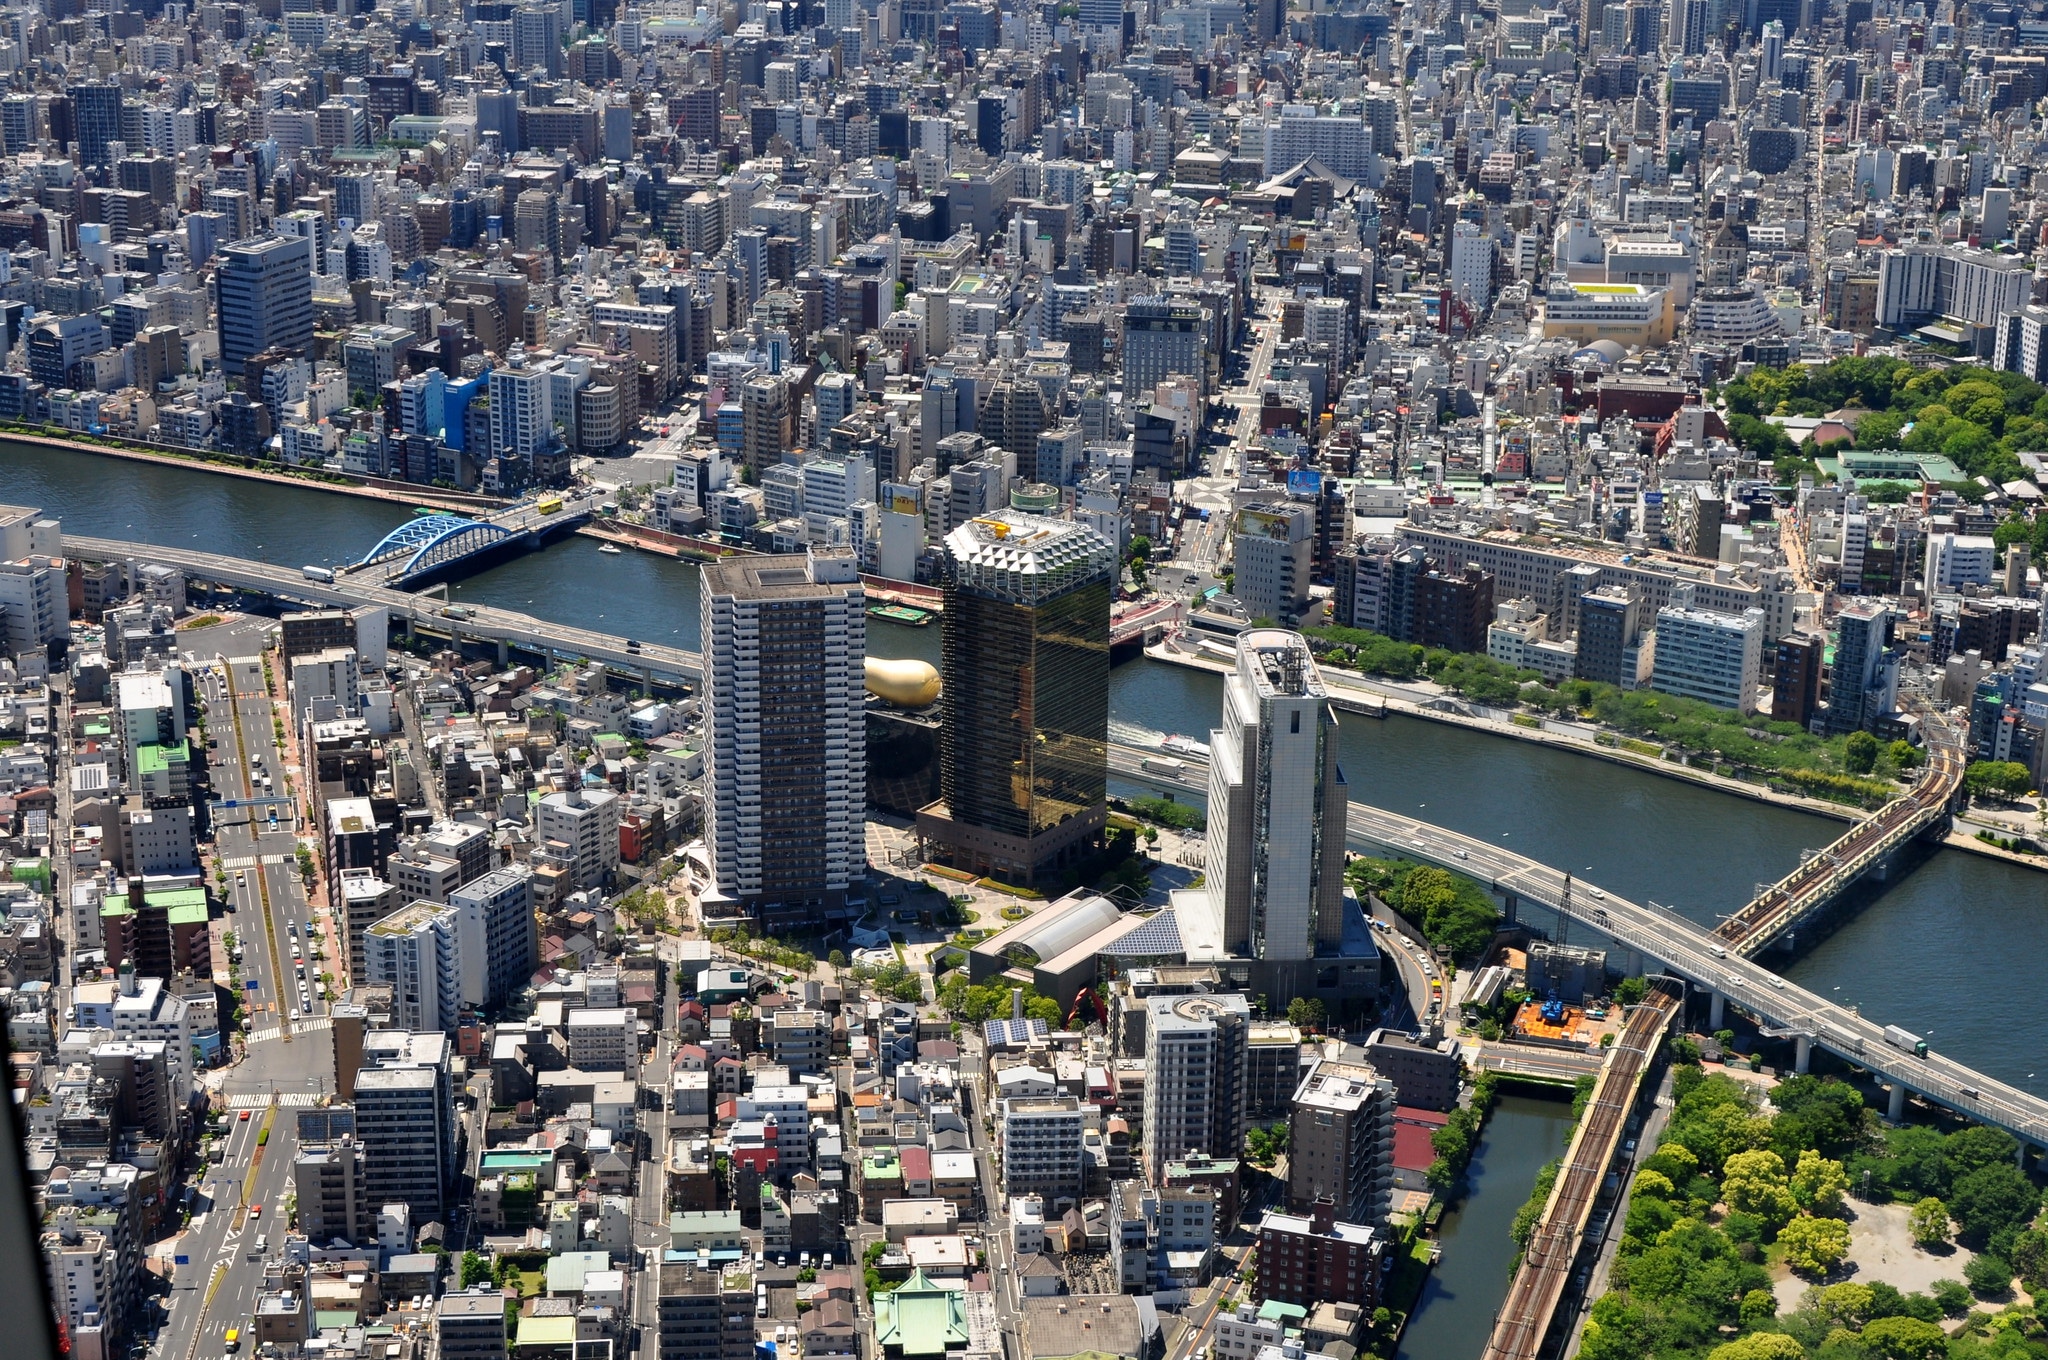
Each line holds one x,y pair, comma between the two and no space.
1275,889
1472,265
1957,560
1709,656
1303,132
1273,548
1921,283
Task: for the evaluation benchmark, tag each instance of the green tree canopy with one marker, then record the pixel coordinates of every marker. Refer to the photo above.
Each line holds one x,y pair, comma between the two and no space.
1990,1200
1999,778
1759,1346
1928,1222
1905,1338
1814,1245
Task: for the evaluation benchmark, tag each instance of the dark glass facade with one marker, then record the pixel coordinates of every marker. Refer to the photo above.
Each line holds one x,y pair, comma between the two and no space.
1025,749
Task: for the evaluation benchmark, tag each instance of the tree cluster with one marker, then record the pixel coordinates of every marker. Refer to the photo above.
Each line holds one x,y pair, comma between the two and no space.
1699,728
1970,1178
991,1001
1450,910
1997,778
1979,419
1458,1139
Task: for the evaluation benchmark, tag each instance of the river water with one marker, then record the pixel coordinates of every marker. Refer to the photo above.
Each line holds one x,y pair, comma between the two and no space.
1942,950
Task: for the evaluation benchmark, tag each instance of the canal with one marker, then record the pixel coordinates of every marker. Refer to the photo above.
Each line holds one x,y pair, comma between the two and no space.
1455,1314
1942,950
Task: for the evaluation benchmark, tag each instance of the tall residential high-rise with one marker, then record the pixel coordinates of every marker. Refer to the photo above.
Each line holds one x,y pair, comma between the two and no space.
96,121
502,901
699,1318
764,421
405,1122
431,956
1024,760
330,1179
1277,807
471,1325
263,295
1863,680
1795,678
578,828
1195,1049
785,768
1340,1143
1012,415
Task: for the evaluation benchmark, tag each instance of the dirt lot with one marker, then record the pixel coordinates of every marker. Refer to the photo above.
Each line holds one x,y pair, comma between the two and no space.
1881,1248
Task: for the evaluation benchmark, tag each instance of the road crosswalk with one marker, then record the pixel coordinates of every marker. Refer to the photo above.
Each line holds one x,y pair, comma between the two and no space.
310,1025
287,1100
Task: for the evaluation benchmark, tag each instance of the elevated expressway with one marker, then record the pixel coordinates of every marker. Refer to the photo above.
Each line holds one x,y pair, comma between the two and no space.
1684,949
651,661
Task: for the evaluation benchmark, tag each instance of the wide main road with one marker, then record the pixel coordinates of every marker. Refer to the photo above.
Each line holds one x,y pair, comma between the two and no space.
216,1286
1682,946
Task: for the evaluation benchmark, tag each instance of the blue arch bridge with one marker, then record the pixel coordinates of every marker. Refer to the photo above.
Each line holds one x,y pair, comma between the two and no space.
430,545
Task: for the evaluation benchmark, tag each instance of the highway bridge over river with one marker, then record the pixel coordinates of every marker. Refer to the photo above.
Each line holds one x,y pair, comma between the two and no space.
1672,944
1710,961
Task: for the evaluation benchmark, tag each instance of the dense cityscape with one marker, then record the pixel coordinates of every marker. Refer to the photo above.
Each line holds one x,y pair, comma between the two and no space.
594,600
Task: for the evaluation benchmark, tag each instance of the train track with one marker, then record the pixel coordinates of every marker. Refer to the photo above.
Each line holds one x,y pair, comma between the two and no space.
1524,1318
1786,900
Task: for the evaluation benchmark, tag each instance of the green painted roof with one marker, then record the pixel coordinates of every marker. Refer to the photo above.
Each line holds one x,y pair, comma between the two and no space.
113,908
180,906
155,758
1891,465
920,1318
516,1161
334,1319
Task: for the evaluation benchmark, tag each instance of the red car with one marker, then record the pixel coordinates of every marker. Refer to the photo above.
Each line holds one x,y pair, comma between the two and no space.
245,1117
256,1210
